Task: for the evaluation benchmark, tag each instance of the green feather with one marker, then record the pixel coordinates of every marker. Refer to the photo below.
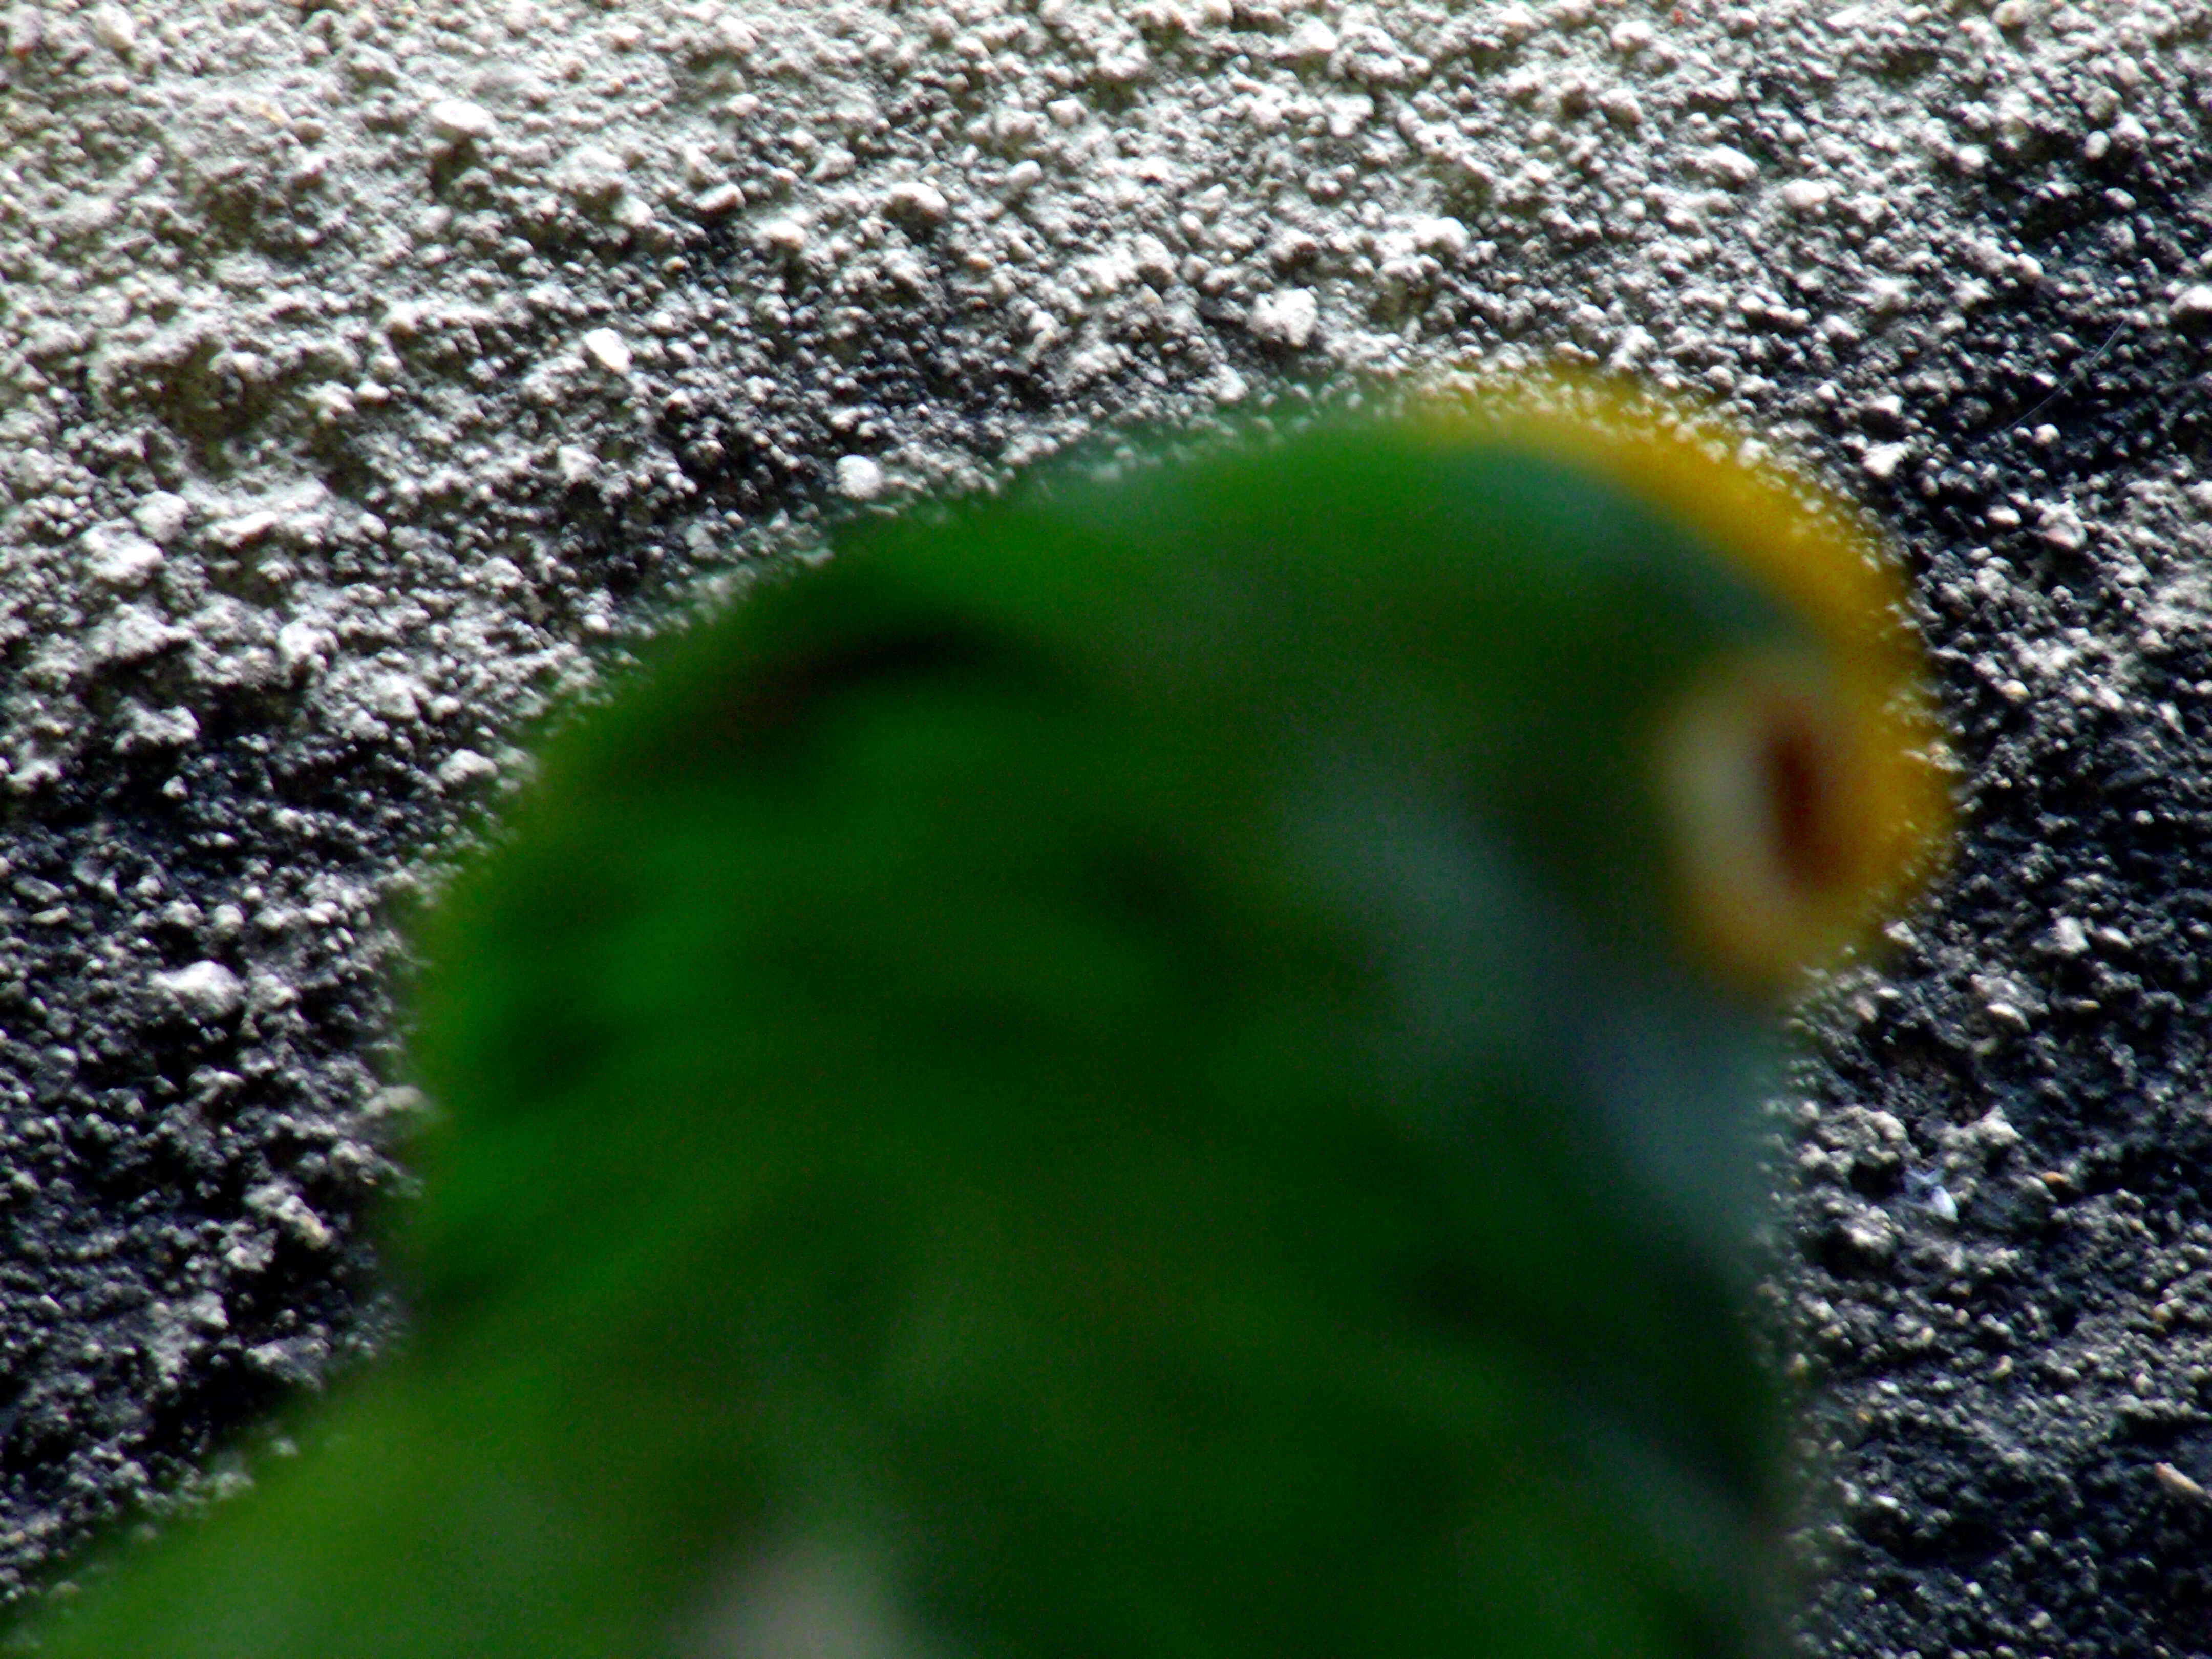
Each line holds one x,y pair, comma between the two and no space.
1118,1073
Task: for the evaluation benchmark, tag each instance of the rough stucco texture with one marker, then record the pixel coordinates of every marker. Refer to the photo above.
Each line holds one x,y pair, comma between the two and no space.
369,374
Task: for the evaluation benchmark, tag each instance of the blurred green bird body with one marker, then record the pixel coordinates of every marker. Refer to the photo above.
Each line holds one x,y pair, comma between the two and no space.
1158,1067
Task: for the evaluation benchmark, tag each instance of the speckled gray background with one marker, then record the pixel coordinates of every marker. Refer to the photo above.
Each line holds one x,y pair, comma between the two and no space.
369,373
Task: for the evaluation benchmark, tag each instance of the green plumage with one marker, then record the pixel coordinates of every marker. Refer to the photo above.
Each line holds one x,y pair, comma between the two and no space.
1113,1075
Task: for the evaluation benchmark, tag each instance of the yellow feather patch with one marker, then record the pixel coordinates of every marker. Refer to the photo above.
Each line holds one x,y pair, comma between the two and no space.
1811,796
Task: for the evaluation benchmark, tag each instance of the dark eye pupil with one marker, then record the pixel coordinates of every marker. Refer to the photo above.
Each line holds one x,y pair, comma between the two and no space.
1798,794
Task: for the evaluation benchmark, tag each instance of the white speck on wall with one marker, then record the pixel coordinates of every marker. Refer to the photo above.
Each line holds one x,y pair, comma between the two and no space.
1311,39
1286,317
161,515
116,558
113,27
1445,237
2064,529
608,349
458,120
1725,164
2193,304
859,478
464,768
206,990
152,729
786,235
913,199
1882,460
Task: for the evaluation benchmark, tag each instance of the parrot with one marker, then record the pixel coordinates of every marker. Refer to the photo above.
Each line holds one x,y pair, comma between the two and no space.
1162,1063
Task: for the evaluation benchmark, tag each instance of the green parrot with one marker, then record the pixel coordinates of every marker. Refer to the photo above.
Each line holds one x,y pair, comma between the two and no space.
1158,1067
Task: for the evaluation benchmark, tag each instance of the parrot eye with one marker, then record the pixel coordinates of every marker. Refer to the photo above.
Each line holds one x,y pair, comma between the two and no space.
1799,784
1758,769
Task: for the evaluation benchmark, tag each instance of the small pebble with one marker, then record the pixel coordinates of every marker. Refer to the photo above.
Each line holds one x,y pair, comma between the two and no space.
608,349
119,559
206,990
1286,317
1883,459
788,235
2193,304
457,120
1726,165
912,199
114,29
859,478
2177,1485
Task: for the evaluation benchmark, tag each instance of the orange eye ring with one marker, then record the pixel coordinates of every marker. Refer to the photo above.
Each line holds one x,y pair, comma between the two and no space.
1758,773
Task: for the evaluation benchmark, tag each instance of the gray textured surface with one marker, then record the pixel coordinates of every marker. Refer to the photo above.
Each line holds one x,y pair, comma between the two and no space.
367,373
